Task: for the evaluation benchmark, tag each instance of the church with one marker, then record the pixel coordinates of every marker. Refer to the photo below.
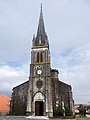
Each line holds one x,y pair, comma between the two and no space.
43,92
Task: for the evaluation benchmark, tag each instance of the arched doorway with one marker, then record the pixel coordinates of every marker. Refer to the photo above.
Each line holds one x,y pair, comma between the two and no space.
39,104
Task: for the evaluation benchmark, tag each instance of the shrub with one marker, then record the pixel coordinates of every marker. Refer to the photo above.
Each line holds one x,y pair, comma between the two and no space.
68,112
59,111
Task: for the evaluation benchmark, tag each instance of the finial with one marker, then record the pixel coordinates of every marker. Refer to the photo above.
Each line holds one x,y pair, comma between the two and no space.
41,6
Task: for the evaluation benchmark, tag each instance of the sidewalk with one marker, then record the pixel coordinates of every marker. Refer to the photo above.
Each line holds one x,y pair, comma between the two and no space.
62,119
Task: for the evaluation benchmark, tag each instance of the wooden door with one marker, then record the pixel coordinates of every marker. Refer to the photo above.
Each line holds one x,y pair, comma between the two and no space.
39,108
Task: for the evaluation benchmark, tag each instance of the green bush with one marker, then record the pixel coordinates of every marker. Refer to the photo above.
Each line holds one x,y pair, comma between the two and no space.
68,112
59,111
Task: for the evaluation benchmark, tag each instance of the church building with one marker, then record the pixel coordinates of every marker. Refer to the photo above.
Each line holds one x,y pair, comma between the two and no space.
43,92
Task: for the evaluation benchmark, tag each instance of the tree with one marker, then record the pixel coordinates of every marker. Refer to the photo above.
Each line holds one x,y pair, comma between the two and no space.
82,109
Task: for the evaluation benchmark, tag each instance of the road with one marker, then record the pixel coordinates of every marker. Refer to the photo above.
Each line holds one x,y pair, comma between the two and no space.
83,119
24,118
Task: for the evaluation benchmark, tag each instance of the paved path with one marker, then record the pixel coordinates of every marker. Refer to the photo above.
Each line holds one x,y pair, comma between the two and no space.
83,118
25,118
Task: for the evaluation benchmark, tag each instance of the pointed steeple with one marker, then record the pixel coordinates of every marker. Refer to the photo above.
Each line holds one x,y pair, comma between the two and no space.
41,28
41,37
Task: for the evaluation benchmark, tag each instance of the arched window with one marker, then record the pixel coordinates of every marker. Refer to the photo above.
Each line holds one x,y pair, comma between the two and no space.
46,56
41,57
38,56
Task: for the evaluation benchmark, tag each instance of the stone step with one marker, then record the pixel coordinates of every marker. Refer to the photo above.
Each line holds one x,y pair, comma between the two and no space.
37,118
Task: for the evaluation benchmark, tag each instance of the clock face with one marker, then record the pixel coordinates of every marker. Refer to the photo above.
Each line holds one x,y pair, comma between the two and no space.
39,72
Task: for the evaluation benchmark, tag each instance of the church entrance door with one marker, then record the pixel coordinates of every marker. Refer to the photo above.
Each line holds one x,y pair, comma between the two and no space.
39,108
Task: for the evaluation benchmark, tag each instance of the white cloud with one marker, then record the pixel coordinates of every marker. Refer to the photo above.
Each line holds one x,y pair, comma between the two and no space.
12,76
74,67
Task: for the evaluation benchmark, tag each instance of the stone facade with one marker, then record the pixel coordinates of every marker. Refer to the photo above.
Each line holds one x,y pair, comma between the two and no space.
19,99
44,92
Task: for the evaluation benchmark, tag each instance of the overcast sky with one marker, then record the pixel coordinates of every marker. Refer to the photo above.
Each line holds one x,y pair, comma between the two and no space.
67,23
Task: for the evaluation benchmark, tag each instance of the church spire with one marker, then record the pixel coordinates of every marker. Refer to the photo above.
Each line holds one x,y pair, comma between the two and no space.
41,28
41,37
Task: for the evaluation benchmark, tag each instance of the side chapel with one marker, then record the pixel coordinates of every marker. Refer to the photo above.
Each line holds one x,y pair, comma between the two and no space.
43,92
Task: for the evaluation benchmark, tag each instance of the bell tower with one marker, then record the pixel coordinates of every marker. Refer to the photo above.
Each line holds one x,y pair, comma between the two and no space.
39,100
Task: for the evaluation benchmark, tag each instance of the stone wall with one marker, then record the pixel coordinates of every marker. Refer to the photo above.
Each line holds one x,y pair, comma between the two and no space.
60,94
60,91
19,99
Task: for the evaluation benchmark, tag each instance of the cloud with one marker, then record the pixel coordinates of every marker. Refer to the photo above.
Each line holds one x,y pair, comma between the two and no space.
70,24
12,76
74,67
